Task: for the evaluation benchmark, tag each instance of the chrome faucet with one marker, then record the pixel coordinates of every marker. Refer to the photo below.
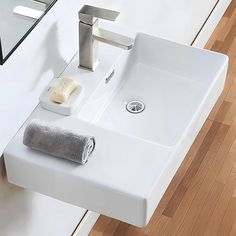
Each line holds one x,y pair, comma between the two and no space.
90,34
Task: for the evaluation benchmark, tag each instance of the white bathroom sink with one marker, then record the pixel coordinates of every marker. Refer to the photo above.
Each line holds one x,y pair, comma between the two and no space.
136,155
169,81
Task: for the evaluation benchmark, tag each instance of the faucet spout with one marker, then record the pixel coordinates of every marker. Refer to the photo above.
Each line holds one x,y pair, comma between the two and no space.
113,39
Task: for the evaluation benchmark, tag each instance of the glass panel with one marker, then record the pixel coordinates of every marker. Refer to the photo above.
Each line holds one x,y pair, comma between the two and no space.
17,19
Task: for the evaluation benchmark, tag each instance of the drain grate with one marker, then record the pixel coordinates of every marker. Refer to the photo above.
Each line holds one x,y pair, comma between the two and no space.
135,107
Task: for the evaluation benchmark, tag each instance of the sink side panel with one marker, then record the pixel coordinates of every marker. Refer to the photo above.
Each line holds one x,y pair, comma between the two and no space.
131,209
186,142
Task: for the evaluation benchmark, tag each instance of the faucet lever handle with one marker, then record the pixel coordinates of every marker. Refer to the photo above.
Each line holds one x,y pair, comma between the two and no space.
89,14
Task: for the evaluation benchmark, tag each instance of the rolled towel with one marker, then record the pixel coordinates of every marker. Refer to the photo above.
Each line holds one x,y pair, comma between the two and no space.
57,141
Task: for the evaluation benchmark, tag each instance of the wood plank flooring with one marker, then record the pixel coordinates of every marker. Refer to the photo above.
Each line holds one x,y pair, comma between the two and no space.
201,199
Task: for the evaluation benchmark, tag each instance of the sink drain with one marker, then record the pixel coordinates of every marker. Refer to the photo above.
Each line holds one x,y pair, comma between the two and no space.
135,106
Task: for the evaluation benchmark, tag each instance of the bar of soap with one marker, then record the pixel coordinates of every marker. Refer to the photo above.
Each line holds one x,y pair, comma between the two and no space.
61,93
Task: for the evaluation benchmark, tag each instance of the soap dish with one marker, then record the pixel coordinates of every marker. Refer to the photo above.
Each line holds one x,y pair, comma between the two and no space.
66,108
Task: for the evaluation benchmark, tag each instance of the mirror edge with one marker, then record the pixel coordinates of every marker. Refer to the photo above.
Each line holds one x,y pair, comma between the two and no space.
3,59
1,55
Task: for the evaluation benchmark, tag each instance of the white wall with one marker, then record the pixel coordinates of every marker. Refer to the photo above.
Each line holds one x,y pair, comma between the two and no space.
43,55
177,20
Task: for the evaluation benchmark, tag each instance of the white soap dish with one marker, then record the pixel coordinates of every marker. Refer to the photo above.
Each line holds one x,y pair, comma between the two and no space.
66,108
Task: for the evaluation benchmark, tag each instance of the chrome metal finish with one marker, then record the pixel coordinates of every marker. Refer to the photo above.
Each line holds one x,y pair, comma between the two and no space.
88,47
110,76
135,107
113,39
90,34
89,14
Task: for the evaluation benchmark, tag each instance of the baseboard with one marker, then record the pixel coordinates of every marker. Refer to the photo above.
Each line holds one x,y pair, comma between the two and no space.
211,23
86,224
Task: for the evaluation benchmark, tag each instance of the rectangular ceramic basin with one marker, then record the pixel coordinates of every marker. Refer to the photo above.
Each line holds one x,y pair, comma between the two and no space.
136,155
171,81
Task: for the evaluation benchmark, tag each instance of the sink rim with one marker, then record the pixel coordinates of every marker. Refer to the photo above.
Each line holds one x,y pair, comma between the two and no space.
136,206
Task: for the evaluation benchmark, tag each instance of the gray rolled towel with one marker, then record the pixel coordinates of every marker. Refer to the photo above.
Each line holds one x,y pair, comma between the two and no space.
57,141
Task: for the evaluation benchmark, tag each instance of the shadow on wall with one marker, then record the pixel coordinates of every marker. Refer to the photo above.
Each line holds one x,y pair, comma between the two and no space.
50,49
14,204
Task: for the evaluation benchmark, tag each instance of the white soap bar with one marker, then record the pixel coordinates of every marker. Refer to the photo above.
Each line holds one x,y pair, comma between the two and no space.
63,90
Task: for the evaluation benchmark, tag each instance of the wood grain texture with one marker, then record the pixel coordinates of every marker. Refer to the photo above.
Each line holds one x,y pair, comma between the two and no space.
201,199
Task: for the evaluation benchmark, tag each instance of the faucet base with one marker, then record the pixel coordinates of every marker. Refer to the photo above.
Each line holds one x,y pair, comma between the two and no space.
89,69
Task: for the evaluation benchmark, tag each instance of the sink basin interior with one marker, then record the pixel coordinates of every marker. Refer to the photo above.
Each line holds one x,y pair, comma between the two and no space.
166,113
169,79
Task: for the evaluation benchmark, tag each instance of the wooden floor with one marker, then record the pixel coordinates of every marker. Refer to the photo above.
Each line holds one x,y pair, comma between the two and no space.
201,199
